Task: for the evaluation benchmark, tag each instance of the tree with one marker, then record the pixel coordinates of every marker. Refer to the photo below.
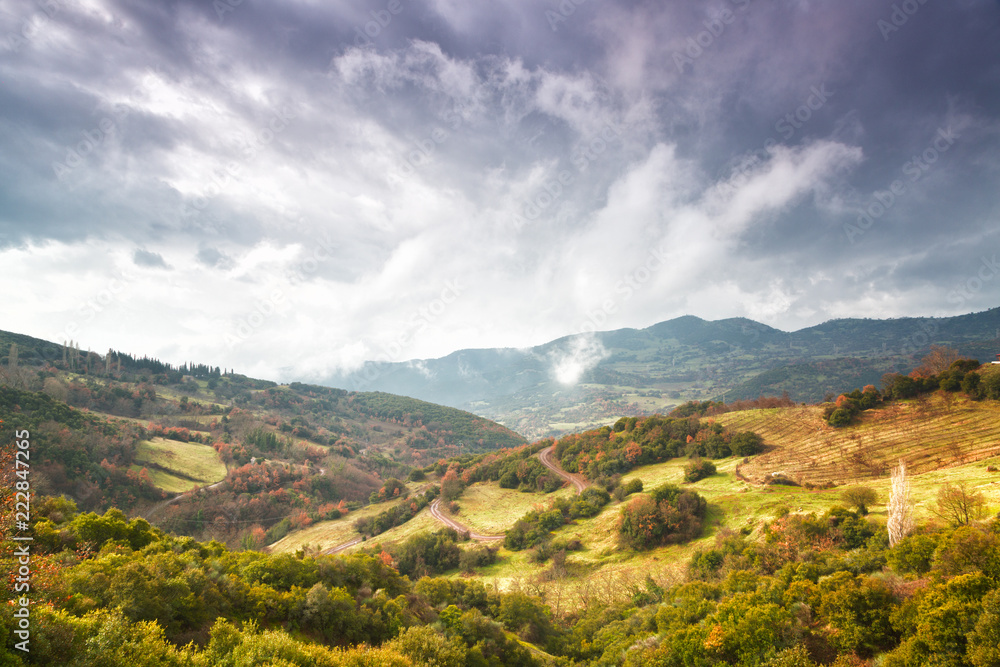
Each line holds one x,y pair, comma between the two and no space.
900,521
858,608
959,505
938,360
427,647
451,486
698,469
747,443
984,640
860,497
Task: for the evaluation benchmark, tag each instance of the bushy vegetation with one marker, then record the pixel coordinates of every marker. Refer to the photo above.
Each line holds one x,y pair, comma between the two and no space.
132,596
698,469
537,526
396,515
513,468
942,369
638,441
668,515
427,554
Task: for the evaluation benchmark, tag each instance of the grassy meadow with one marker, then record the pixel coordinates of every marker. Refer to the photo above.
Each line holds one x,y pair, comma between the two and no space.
179,466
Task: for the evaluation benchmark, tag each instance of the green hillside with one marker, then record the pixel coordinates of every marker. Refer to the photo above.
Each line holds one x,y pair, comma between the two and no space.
711,536
115,430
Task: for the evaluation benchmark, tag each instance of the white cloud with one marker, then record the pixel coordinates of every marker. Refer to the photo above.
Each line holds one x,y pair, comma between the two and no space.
410,165
583,353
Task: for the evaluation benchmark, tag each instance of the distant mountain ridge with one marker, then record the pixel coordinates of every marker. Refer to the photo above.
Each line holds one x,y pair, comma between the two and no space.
680,359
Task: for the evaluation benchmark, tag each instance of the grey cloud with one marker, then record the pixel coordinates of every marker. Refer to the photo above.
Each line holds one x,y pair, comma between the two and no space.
468,140
149,259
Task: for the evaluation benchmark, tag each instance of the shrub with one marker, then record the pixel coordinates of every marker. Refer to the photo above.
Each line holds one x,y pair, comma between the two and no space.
668,516
698,469
840,417
477,556
747,443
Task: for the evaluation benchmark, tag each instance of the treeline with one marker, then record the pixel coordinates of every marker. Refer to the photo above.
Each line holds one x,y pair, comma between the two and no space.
638,441
536,526
516,468
940,371
430,554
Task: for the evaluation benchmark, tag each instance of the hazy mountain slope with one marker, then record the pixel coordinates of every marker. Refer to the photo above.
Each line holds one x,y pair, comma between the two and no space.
684,358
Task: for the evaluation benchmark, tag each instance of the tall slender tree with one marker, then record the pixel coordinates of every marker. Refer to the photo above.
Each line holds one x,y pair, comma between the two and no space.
900,510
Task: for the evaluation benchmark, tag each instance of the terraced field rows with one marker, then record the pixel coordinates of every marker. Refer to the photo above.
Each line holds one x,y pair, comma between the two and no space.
927,434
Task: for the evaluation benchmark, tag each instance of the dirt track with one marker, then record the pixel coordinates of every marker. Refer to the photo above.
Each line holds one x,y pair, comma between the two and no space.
545,456
451,523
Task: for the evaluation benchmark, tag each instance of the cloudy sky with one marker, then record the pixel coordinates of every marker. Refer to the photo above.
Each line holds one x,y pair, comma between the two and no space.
292,187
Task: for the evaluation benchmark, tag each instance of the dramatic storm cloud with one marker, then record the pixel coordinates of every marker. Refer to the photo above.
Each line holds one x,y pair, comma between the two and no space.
294,187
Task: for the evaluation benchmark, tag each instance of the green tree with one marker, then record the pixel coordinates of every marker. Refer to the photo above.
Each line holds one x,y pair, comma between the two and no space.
426,647
984,640
698,469
858,608
860,497
747,443
912,554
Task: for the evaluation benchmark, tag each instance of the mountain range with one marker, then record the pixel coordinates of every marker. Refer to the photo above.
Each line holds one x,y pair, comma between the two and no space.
584,380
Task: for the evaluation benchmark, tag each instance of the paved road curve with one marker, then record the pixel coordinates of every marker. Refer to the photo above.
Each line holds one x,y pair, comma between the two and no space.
545,456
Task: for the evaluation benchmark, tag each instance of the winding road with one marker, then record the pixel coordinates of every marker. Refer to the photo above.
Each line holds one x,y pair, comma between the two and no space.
451,523
545,456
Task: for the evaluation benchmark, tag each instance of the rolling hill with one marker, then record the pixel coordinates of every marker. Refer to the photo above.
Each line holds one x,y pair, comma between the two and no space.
119,431
942,441
770,574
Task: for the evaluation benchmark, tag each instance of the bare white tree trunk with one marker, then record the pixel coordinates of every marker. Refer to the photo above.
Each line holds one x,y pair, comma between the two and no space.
900,512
